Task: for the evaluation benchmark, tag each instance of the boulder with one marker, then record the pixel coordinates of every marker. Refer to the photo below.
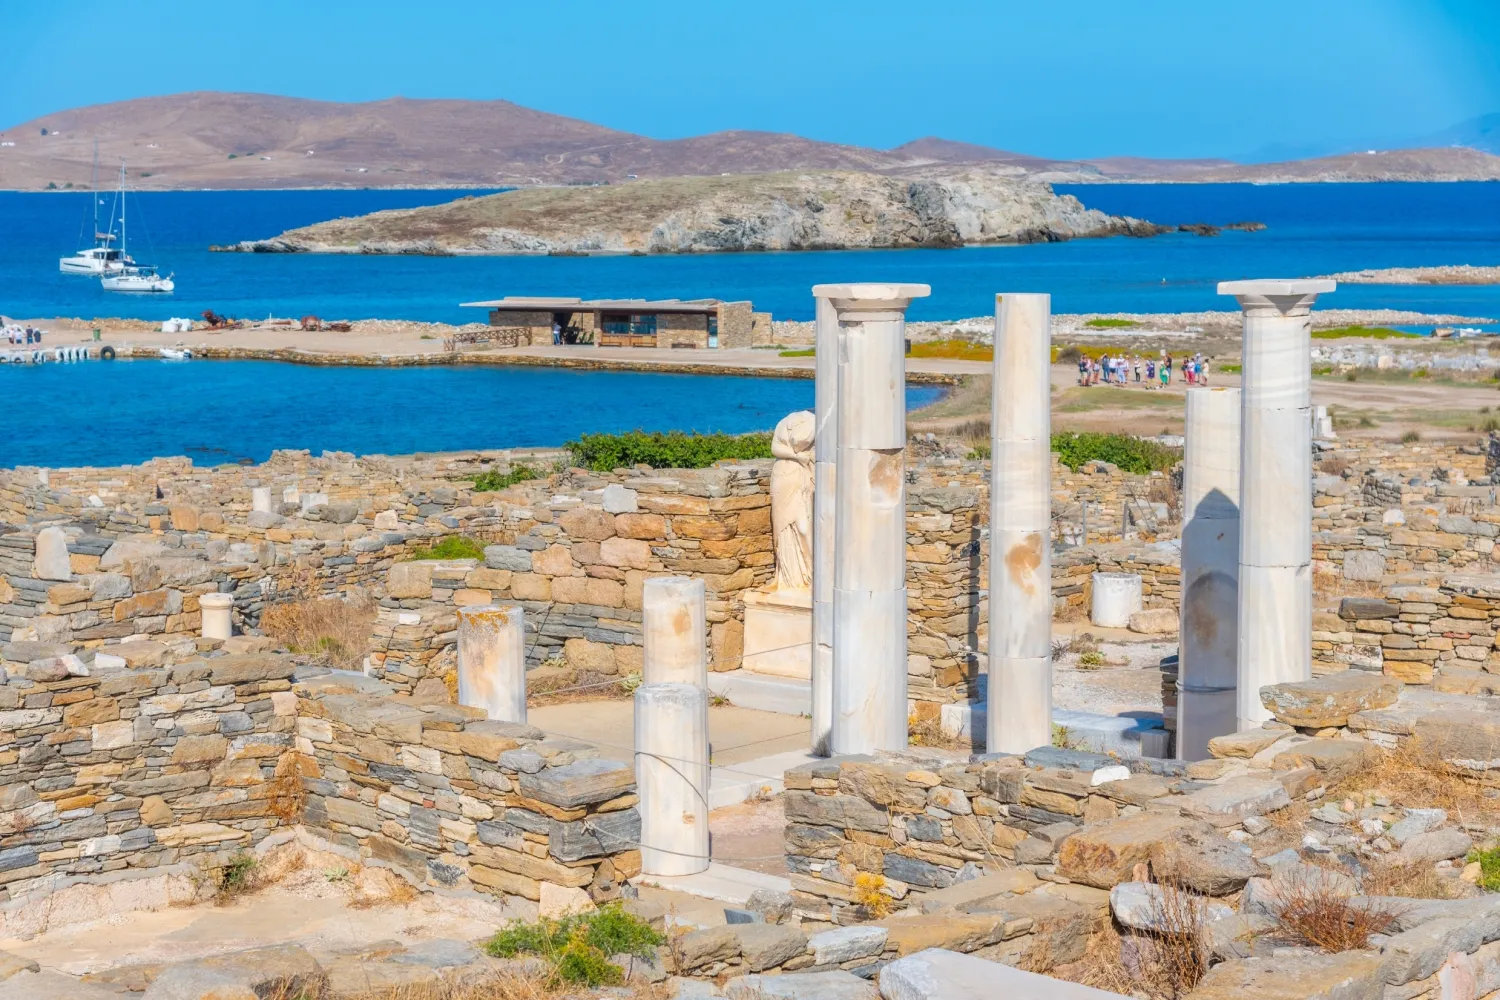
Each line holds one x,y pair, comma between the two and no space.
1329,701
774,907
1207,863
1414,822
51,560
1333,759
285,970
696,949
1438,845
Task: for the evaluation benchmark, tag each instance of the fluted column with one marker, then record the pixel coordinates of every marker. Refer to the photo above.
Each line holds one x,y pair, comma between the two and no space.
869,585
825,451
1275,599
1019,709
1208,648
492,661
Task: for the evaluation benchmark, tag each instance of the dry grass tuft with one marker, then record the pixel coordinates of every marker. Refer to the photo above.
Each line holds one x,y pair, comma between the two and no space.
1411,881
1315,911
333,629
869,894
1413,776
505,986
1159,966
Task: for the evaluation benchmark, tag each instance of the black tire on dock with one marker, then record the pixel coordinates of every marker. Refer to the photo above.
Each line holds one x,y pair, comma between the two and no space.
106,353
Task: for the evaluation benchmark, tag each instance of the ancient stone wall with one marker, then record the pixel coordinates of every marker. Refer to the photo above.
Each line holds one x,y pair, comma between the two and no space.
454,799
735,324
140,760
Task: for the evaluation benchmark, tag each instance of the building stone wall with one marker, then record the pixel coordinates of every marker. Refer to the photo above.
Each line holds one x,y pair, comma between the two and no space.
682,330
735,325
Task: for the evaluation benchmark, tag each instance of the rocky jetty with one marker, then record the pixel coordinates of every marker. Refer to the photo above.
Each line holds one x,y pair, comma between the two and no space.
826,210
1448,274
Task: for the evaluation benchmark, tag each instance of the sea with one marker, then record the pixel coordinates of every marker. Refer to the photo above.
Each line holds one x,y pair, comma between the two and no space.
228,411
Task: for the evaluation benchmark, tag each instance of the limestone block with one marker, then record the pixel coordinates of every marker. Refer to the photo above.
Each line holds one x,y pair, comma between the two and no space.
833,985
938,974
51,559
844,944
410,580
1143,906
1230,801
1328,701
618,499
1439,845
1351,974
507,557
587,524
554,560
562,901
648,527
1334,759
1207,863
1154,621
1364,564
1103,856
1460,737
1245,744
198,834
579,784
285,970
626,553
766,946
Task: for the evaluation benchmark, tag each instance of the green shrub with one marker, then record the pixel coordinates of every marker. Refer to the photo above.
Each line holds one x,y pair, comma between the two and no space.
808,353
1489,868
492,480
1131,454
673,450
1372,332
452,547
1110,324
237,877
579,946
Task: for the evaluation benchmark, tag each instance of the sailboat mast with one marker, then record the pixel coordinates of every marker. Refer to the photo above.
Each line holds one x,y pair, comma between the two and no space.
94,189
122,208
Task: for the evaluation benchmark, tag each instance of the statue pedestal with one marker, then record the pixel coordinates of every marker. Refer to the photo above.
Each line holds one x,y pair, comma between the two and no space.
778,633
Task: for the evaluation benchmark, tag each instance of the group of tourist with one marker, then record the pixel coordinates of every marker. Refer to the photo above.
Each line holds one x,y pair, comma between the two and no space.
1118,369
21,336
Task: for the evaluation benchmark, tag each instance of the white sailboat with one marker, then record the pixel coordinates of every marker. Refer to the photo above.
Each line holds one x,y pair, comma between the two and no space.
134,277
101,258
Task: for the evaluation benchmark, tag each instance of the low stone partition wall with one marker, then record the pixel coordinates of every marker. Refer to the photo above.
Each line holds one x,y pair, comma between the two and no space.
1442,637
453,799
113,768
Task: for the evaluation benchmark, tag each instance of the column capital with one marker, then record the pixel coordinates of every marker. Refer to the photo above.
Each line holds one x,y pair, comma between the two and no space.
871,296
1277,296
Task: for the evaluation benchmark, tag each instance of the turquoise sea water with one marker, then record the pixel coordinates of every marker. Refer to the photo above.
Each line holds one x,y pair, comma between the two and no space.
1314,229
221,411
118,412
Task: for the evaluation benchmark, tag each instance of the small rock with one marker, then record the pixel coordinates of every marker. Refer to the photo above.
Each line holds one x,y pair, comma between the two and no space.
774,907
1416,821
1439,845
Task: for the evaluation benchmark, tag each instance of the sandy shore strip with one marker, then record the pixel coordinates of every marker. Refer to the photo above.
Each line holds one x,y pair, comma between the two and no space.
403,342
1447,274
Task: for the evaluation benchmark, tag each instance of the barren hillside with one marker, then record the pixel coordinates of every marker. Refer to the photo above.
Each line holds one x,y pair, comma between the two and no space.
219,140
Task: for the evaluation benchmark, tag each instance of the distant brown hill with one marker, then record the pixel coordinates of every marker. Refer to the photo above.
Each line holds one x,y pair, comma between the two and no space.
227,140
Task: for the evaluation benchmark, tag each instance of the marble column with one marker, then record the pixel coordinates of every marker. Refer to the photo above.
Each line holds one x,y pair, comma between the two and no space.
1019,700
260,499
825,452
673,623
492,661
1208,647
215,610
1275,594
671,774
869,576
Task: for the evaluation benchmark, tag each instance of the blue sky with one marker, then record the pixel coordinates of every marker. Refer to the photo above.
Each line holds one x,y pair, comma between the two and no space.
1074,79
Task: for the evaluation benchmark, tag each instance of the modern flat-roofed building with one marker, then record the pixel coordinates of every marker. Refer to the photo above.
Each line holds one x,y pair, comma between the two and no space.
694,323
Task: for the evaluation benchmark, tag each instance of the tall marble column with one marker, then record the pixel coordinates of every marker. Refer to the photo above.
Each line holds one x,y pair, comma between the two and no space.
492,661
672,775
674,613
1208,647
1275,600
869,582
825,453
1019,709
